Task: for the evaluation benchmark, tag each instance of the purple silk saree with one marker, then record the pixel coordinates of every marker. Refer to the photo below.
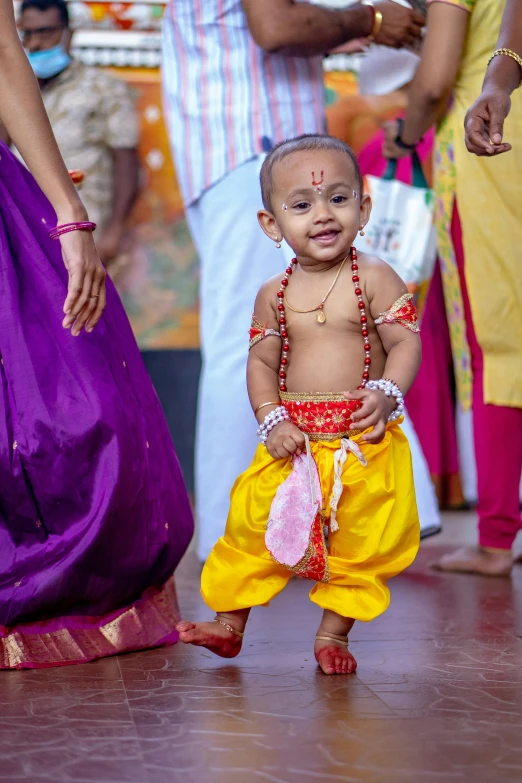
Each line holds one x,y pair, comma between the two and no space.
94,516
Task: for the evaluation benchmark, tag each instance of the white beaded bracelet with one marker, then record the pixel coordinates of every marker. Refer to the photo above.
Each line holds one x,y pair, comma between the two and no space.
391,390
270,421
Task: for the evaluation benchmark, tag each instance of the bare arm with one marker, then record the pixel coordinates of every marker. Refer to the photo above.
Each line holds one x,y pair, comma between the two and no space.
402,346
431,88
484,121
304,29
403,350
503,72
23,115
125,175
125,189
4,136
264,357
263,380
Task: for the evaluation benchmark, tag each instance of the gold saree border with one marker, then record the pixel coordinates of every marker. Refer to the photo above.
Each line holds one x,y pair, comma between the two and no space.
148,622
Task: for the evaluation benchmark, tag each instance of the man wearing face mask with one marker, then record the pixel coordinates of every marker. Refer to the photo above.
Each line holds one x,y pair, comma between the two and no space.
93,118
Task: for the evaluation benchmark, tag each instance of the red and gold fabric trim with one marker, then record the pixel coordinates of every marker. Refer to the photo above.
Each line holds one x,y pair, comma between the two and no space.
321,416
403,312
259,331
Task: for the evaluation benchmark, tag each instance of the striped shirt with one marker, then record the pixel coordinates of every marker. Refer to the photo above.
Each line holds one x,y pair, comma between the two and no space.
227,100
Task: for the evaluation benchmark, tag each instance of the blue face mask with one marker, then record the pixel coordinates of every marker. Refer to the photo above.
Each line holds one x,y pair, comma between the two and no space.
49,62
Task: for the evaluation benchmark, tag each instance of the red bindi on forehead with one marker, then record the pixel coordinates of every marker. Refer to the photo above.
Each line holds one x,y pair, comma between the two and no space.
315,169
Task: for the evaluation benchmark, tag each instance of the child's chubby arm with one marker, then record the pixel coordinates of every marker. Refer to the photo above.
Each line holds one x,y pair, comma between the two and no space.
383,287
263,376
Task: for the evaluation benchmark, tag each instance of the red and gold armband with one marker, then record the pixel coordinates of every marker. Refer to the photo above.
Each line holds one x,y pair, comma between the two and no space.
259,332
403,312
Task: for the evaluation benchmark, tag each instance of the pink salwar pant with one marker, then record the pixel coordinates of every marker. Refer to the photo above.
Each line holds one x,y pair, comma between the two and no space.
498,440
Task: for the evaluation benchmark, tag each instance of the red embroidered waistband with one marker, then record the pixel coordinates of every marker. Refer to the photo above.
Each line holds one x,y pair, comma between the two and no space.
321,416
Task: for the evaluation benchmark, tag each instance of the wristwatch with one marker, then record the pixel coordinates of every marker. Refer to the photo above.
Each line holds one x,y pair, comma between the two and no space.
398,140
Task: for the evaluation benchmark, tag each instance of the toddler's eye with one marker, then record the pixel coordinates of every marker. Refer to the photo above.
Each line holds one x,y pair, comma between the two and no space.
339,199
301,205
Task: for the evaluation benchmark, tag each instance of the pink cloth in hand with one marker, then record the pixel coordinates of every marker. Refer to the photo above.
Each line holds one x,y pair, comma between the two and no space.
293,512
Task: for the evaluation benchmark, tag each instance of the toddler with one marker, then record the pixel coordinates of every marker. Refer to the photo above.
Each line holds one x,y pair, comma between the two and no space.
334,345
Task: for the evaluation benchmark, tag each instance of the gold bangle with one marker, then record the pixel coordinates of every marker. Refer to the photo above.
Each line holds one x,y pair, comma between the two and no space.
377,23
507,53
264,405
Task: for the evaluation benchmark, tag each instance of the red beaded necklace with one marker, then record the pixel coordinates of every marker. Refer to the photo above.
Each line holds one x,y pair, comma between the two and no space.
284,333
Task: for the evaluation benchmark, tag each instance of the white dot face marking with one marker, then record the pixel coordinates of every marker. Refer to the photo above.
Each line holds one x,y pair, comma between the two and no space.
355,195
285,207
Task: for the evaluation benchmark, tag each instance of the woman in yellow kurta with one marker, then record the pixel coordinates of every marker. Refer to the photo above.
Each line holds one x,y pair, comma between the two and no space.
479,246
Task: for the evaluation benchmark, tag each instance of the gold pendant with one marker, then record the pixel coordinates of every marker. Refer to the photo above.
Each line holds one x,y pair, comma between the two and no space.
320,317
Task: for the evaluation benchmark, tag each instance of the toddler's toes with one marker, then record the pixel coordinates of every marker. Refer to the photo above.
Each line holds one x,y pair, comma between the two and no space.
184,626
334,659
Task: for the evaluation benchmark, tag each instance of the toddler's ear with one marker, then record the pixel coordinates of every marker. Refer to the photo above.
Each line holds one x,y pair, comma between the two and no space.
366,209
269,225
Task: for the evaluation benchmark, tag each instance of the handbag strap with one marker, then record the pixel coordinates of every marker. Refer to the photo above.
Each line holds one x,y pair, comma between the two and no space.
418,180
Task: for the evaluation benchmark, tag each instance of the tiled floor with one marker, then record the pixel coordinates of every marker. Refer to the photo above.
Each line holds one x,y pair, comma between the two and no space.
437,697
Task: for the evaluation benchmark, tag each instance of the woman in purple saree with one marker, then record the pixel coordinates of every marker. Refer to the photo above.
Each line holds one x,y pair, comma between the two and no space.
94,516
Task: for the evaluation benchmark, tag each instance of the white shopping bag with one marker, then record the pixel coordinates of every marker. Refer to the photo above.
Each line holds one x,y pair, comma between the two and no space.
401,230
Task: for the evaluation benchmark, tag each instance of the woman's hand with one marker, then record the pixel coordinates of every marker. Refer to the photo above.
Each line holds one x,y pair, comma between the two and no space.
484,123
86,296
389,148
374,412
284,440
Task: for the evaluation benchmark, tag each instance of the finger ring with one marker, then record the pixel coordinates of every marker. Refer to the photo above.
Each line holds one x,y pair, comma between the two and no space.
95,296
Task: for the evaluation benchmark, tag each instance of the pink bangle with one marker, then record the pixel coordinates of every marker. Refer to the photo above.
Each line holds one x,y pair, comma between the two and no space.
65,228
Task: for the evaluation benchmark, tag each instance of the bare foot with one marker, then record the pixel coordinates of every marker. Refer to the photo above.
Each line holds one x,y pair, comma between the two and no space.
333,656
213,636
476,560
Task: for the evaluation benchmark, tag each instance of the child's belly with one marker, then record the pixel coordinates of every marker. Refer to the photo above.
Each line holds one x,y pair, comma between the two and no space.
336,365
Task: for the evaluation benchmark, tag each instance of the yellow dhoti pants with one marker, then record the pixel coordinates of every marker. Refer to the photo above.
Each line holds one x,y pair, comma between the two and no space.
378,535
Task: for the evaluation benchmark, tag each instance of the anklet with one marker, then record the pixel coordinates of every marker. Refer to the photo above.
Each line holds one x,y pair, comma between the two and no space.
330,639
494,551
229,627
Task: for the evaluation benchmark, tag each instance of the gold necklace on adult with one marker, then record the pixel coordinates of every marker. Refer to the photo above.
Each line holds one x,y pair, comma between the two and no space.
321,316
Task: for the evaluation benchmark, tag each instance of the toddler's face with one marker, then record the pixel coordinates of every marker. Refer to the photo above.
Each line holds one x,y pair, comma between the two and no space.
317,205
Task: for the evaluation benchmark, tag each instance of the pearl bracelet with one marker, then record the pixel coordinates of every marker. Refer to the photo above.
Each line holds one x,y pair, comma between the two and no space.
390,389
270,421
